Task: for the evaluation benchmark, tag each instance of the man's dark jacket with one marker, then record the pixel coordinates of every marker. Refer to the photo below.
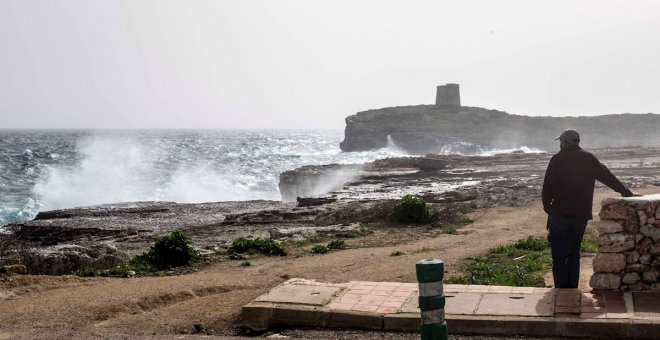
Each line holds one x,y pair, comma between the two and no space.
568,187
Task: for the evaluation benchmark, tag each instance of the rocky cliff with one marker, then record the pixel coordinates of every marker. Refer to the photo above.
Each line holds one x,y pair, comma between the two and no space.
423,129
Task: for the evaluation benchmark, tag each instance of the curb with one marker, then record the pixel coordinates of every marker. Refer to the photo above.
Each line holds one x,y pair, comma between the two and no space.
259,316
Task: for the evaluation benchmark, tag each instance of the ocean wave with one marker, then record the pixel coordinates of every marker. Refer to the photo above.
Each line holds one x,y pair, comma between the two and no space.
471,149
120,168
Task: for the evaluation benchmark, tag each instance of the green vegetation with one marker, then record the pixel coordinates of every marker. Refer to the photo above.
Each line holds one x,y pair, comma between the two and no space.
589,242
396,253
320,249
413,210
449,229
246,264
337,245
522,264
170,251
257,245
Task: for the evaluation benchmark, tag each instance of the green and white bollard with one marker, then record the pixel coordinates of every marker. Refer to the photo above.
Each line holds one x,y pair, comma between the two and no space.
432,299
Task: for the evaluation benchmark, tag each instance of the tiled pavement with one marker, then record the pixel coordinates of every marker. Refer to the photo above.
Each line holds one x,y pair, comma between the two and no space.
473,309
390,298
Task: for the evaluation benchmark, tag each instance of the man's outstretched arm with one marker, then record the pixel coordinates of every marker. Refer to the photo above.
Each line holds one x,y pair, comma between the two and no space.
605,176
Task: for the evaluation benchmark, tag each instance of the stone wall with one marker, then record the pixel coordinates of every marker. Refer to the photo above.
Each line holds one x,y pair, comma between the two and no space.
628,256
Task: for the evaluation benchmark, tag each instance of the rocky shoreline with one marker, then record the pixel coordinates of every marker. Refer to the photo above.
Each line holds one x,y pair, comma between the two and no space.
329,200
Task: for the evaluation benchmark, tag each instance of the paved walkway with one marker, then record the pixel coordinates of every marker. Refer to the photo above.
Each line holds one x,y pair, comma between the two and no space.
470,309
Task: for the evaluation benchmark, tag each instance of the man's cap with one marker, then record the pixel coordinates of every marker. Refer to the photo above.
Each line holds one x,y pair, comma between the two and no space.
569,136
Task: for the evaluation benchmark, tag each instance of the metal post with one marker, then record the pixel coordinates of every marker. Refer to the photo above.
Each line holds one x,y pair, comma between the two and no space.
432,299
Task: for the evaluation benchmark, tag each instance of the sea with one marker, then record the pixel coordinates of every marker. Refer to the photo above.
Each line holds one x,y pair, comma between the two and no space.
56,169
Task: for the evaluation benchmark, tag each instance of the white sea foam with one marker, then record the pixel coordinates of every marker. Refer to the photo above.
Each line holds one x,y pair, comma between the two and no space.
111,170
471,149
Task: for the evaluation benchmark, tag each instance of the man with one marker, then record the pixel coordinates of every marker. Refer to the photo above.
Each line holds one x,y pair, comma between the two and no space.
568,191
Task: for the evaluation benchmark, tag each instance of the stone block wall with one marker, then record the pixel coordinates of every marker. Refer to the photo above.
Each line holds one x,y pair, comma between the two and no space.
628,256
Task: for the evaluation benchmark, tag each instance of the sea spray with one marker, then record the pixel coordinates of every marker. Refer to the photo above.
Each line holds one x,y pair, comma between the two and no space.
51,169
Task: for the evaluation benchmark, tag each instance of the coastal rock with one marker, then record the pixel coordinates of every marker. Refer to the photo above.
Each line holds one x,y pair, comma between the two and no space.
63,259
352,230
605,281
314,201
609,263
13,269
316,180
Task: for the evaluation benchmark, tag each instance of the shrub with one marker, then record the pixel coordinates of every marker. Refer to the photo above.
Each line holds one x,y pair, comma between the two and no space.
396,253
337,245
413,210
172,250
246,264
320,249
260,245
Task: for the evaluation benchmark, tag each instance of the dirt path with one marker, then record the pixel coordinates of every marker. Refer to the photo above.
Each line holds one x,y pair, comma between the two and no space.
212,297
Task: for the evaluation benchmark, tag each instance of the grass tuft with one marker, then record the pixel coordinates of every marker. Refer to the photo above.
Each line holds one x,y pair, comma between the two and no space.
522,264
337,245
320,249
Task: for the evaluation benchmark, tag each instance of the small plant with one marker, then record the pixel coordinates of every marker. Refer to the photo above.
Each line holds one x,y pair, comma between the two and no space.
260,245
588,244
449,229
320,249
532,243
337,245
86,272
396,253
413,210
246,264
522,264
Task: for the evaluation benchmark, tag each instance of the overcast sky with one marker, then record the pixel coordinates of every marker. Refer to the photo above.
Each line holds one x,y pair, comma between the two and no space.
309,64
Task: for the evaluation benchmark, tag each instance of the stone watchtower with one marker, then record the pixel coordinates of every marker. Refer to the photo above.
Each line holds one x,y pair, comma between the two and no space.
448,95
